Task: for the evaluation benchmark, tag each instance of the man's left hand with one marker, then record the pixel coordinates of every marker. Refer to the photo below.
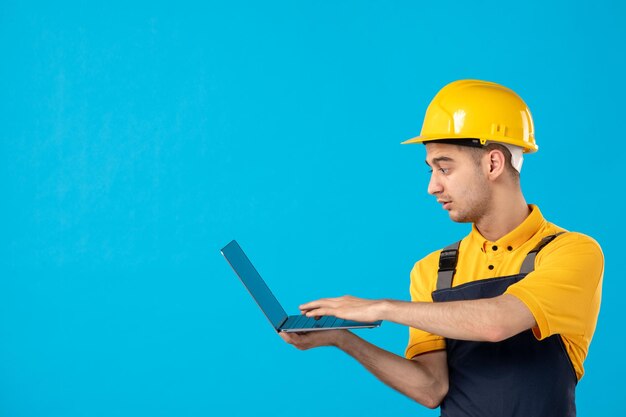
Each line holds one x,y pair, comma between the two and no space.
346,307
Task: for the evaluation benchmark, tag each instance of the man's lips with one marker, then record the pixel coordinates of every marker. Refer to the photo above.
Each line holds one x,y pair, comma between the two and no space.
445,204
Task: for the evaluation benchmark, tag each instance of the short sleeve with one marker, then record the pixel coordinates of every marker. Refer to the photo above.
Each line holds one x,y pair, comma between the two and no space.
423,282
563,292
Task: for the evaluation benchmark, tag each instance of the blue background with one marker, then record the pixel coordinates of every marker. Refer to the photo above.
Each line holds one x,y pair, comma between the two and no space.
138,138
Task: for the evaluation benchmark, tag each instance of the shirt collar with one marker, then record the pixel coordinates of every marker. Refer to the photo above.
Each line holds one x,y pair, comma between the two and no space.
514,239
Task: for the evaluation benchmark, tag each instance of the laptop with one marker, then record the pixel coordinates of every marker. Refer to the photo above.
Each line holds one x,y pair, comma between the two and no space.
270,305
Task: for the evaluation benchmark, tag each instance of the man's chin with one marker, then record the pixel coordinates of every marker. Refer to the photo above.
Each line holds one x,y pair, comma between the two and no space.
459,217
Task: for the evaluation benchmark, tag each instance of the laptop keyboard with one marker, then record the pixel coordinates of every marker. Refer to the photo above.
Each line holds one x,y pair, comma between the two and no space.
304,322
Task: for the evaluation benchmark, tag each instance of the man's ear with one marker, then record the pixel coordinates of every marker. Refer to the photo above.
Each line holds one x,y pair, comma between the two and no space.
497,163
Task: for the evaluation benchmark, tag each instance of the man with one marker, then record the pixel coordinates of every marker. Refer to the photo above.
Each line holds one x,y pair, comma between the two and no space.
501,322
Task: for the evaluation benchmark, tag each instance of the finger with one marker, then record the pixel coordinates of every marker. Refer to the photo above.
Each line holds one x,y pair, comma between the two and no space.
310,305
286,337
318,312
311,313
316,303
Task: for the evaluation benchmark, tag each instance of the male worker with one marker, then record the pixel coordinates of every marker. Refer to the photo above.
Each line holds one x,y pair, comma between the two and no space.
500,322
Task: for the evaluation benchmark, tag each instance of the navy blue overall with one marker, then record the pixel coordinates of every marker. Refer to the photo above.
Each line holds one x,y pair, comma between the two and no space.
520,376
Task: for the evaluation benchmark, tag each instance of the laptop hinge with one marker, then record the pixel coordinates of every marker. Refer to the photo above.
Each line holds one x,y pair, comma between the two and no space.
281,323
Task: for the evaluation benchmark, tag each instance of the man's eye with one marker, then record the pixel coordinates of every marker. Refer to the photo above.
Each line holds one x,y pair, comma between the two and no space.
444,170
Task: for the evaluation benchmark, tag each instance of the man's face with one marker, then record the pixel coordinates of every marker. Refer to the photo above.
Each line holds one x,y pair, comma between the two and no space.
458,182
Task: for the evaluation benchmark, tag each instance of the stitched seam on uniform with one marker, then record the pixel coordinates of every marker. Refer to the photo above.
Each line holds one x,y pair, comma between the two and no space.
431,346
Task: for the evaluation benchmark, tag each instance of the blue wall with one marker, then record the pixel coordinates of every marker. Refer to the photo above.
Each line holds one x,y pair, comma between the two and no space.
137,139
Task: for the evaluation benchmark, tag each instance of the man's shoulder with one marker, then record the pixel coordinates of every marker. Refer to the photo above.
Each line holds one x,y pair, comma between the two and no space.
569,236
570,241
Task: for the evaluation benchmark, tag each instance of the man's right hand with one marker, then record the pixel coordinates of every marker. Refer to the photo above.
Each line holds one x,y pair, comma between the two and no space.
423,378
309,340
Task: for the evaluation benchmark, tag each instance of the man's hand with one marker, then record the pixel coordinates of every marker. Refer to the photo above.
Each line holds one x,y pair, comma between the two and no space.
346,307
424,378
309,340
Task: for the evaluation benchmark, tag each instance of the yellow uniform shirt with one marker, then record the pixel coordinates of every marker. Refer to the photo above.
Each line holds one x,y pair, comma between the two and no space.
563,292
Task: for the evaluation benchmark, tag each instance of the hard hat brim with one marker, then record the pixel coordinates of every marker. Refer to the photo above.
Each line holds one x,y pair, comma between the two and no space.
421,139
417,139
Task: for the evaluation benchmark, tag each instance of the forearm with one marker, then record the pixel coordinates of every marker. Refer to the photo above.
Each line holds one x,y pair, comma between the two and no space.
488,319
426,385
491,319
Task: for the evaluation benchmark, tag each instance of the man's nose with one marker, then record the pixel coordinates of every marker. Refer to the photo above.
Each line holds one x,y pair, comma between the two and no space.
434,186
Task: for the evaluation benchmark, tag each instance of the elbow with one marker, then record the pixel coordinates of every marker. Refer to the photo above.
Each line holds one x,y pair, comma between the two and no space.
436,397
496,334
506,317
433,396
434,403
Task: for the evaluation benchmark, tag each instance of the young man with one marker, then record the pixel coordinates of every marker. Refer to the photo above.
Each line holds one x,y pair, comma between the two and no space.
500,322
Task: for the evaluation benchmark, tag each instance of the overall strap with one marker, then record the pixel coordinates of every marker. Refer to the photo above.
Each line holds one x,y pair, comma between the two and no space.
447,265
450,255
528,265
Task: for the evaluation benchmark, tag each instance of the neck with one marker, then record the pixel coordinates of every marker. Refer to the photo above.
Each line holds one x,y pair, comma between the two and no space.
505,215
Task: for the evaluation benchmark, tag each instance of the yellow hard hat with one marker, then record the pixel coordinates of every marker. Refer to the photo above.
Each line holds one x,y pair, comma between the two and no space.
474,109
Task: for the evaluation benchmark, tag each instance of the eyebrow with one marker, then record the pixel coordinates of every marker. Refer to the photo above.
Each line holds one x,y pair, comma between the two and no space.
440,159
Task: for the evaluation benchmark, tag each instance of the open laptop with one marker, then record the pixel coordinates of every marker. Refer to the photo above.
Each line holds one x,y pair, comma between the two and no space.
270,305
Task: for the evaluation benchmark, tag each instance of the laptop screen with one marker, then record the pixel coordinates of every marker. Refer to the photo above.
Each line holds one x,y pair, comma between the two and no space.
254,283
